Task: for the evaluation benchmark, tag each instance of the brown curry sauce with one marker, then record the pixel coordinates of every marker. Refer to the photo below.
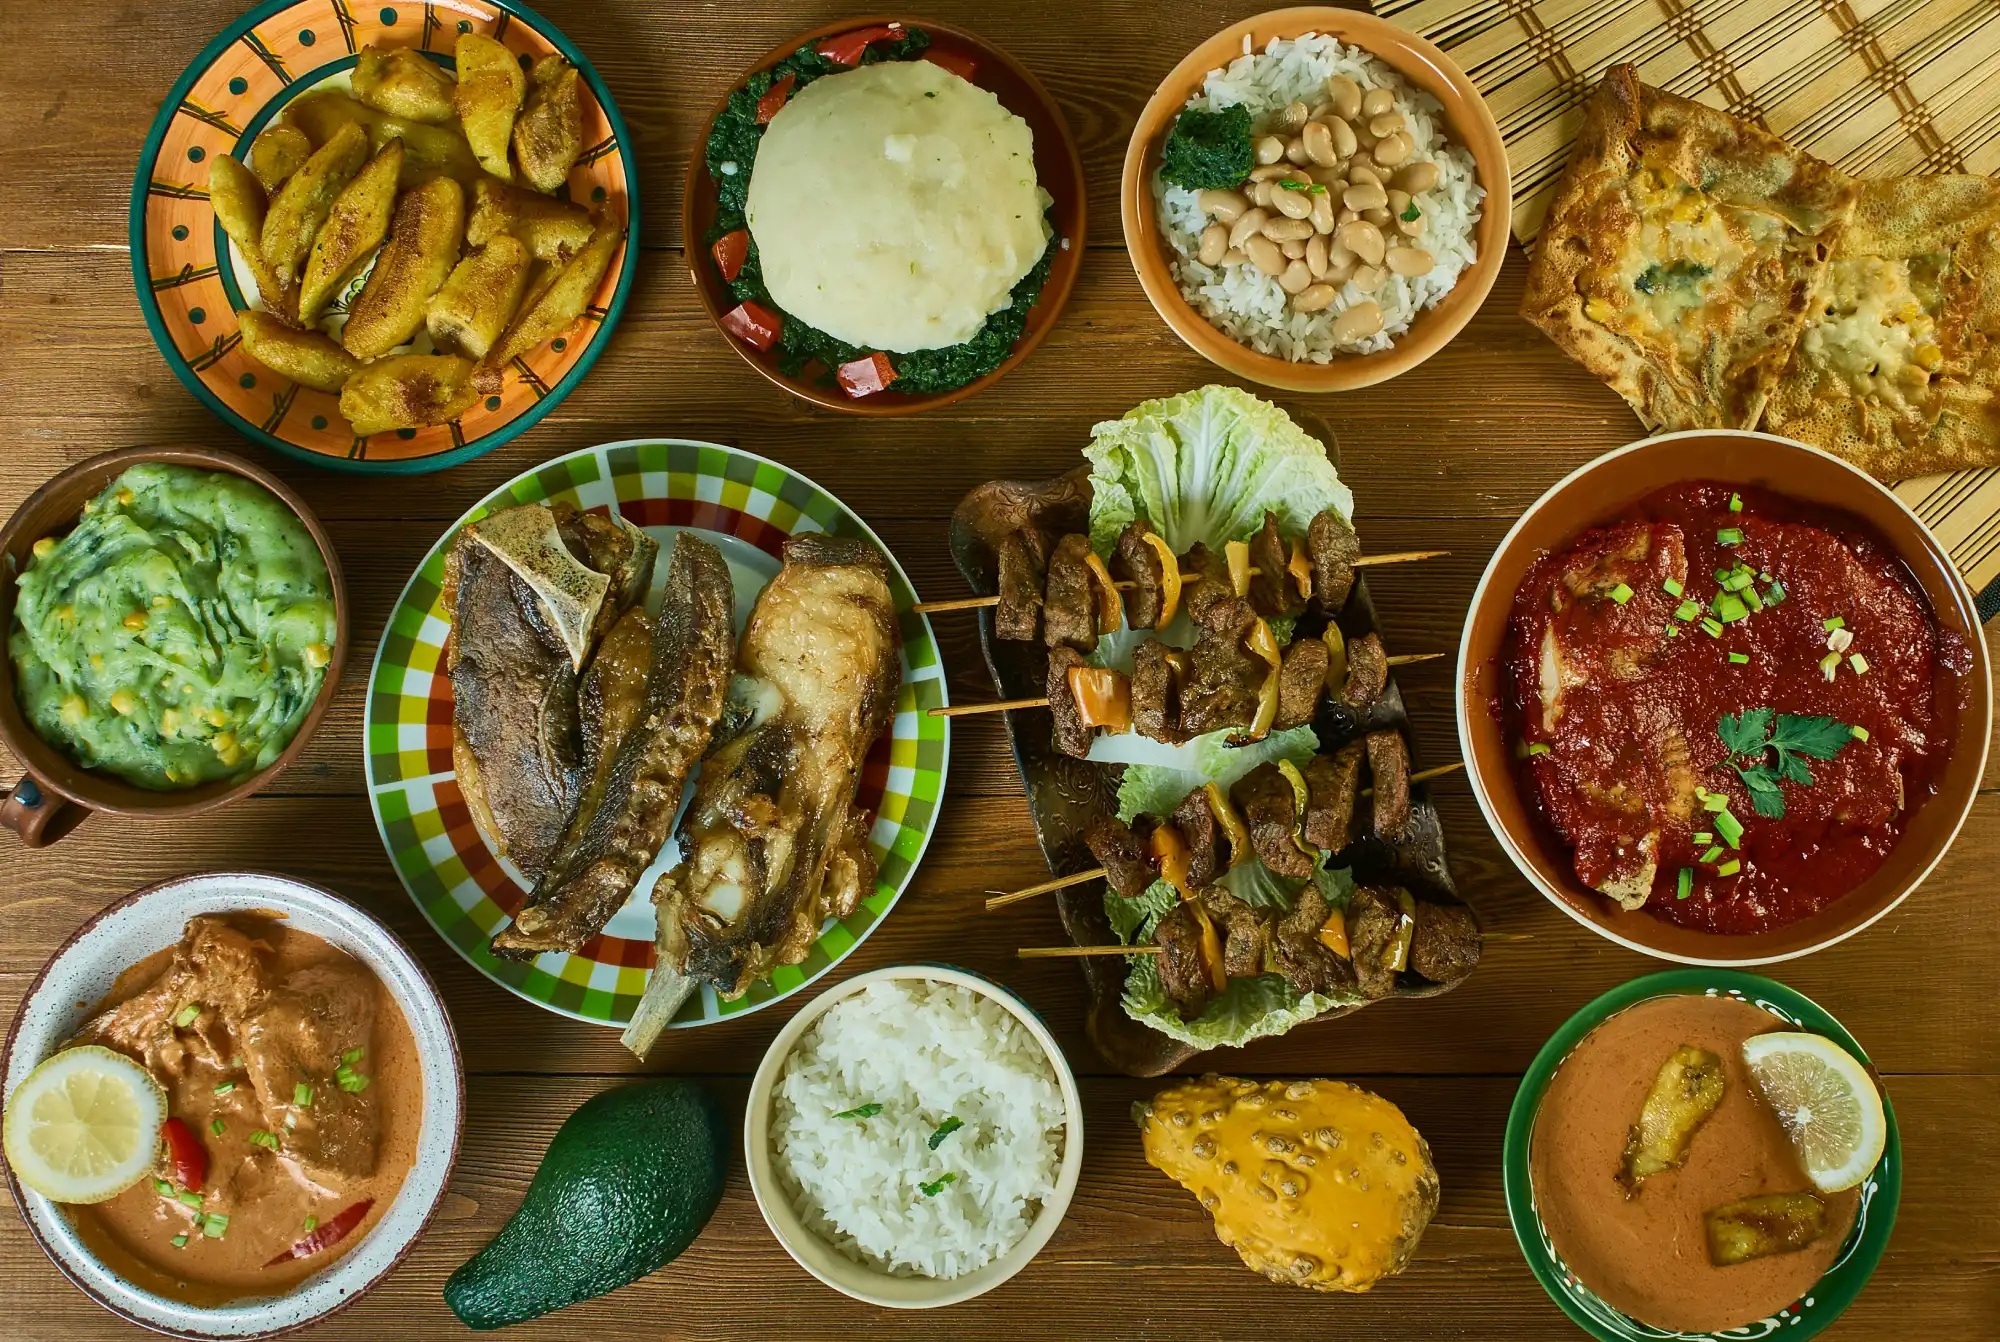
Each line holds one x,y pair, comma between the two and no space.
284,1004
1639,732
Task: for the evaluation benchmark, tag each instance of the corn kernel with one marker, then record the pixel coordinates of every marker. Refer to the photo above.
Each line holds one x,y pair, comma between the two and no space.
1929,357
96,661
315,655
74,710
1598,310
44,546
226,749
217,718
124,703
170,721
135,620
124,497
160,602
66,614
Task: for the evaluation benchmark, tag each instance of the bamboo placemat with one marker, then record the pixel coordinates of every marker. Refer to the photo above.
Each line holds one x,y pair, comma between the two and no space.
1879,87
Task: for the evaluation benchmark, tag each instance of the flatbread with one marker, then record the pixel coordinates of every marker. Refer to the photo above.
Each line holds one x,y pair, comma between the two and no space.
1898,367
1681,253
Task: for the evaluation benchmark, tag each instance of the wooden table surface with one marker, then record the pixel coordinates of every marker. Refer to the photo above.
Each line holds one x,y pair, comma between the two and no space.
1446,456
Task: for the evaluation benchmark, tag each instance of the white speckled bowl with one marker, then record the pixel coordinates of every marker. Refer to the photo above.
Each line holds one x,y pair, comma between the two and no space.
832,1266
81,973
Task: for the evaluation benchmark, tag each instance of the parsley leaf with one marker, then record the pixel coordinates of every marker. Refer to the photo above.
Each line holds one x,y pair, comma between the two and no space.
1820,738
951,1124
931,1190
1744,734
860,1111
1792,739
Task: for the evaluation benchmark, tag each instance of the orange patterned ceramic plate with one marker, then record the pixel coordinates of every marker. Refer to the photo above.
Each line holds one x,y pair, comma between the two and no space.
240,84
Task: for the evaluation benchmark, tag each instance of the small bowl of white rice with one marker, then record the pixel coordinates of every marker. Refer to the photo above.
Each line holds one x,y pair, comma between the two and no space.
914,1136
1361,230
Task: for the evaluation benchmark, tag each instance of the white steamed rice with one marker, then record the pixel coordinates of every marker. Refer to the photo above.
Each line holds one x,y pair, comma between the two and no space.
925,1052
1245,303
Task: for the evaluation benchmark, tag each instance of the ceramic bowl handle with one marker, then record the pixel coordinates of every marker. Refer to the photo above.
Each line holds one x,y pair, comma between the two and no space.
37,815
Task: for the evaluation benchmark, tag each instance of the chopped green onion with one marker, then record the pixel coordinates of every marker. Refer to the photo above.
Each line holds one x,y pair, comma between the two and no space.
1729,868
1859,663
1751,599
1713,628
312,1224
1687,610
214,1224
1735,503
1540,748
187,1199
1673,631
353,1055
163,1188
302,1095
1729,536
1684,883
1775,595
951,1124
352,1082
1860,733
1702,836
1730,828
1714,851
1833,623
1737,580
931,1190
179,1241
1739,658
1621,594
264,1139
186,1016
217,1126
1729,608
1828,663
1673,587
224,1087
1716,803
860,1111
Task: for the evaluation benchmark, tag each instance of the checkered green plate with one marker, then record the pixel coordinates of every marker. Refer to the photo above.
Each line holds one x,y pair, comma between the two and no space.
746,506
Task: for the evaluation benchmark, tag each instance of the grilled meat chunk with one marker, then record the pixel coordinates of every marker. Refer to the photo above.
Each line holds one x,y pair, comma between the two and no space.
1156,707
1389,773
1264,796
1122,851
1207,858
612,693
1375,934
1139,564
1023,555
1307,962
627,811
1183,976
1272,591
1242,930
1301,677
1071,736
1204,582
1445,947
1069,605
1367,674
771,844
1333,784
1223,675
1333,548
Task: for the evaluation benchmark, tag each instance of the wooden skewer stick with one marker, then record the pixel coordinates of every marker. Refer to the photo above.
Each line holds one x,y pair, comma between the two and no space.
1363,561
1148,948
1003,705
1078,878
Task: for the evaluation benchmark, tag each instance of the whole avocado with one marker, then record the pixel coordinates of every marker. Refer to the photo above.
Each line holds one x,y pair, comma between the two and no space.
629,1181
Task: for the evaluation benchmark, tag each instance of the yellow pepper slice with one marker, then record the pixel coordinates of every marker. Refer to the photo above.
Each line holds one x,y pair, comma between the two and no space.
1103,697
1110,609
1170,576
1237,553
1232,824
1301,569
1333,934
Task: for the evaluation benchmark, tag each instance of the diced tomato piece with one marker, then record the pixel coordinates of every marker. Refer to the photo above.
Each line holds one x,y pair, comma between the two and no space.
846,49
957,62
731,251
753,324
327,1233
865,377
774,98
187,1158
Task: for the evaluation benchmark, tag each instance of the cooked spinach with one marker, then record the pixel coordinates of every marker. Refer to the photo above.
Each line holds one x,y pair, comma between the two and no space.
732,152
1208,150
1677,274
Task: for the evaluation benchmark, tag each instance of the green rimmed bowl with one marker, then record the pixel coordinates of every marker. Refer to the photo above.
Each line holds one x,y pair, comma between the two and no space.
1873,1220
747,506
188,282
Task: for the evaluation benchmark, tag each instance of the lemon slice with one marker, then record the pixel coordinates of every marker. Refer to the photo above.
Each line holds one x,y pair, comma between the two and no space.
85,1125
1826,1102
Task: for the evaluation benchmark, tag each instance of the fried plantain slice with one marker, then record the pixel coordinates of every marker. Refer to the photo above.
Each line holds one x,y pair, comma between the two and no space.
557,302
428,151
404,83
548,137
278,153
409,391
553,229
1685,1092
302,203
237,198
354,227
479,298
421,250
1761,1226
490,88
309,358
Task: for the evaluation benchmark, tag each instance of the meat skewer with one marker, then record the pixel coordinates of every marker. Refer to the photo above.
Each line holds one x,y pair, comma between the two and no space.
1100,838
1126,584
1042,701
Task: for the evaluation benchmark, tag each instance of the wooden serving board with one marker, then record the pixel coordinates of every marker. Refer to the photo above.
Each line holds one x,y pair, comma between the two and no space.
1067,795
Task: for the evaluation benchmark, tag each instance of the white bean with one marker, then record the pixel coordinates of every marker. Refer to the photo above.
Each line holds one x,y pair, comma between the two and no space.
1294,115
1247,223
1322,213
1233,257
1421,175
1214,242
1344,143
1346,95
1409,261
1364,240
1394,149
1291,204
1364,196
1316,255
1367,278
1260,195
1294,249
1377,215
1319,144
1386,125
1264,254
1288,229
1296,278
1377,101
1225,206
1270,172
1314,298
1358,322
1359,172
1270,149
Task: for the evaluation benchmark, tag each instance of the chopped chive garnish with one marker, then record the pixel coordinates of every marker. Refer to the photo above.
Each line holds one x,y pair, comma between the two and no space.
353,1055
1730,828
951,1124
186,1016
1729,608
1687,610
1714,851
931,1190
163,1188
1729,536
860,1111
179,1241
187,1199
1621,594
264,1139
217,1126
1859,663
1860,733
1715,802
352,1082
1751,599
1739,658
1735,503
1540,748
312,1224
302,1095
224,1087
1833,623
1673,631
1713,628
1737,580
1828,663
1729,868
214,1224
1775,595
1702,836
1684,883
1673,587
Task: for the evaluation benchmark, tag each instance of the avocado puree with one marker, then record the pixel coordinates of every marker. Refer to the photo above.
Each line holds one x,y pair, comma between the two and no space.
179,634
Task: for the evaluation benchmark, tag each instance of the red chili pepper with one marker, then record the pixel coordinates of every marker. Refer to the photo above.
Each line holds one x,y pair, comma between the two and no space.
753,325
865,377
846,49
731,251
186,1156
961,65
327,1234
774,98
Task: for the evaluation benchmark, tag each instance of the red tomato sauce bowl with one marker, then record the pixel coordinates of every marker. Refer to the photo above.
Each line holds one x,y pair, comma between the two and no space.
1785,557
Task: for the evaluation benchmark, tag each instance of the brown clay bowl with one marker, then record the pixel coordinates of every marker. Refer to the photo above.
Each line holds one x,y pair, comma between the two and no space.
1471,124
1058,166
1601,491
55,793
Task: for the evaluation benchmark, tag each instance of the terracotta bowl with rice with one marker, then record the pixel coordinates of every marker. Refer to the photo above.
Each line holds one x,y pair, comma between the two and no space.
1315,199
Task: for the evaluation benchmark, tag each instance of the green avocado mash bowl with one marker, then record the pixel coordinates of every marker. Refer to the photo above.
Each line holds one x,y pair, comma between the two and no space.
176,624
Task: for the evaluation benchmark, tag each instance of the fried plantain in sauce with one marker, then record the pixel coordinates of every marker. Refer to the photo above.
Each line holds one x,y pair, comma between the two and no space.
1758,1227
1685,1092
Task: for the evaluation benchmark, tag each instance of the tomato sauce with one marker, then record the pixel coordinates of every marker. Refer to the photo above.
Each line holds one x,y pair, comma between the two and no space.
1626,650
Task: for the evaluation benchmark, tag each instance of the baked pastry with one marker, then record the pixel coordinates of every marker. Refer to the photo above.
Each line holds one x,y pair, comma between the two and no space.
1898,366
1681,254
